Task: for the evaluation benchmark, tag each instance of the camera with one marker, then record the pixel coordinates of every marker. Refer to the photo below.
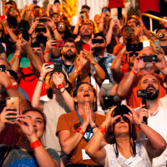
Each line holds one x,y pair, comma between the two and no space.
134,47
121,110
161,35
143,93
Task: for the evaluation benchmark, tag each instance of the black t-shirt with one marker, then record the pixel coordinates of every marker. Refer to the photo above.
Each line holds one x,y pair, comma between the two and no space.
101,63
79,45
113,43
2,50
165,49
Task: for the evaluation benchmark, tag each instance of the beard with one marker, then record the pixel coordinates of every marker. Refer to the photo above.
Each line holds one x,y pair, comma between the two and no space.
152,96
69,56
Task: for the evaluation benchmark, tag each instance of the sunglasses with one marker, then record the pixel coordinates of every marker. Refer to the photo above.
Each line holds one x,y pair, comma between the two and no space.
124,118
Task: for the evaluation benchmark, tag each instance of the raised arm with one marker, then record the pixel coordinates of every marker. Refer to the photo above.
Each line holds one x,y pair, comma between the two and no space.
10,32
95,147
116,65
35,102
126,83
156,143
34,59
101,23
100,74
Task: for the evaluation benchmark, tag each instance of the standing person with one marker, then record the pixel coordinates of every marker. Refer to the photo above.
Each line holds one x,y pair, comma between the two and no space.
76,128
122,148
28,151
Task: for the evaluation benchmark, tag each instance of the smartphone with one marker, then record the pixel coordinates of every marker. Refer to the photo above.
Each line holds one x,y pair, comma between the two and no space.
129,29
137,23
2,17
57,68
97,41
43,20
157,44
58,43
161,35
40,30
146,43
25,35
82,12
150,58
86,47
2,68
35,1
13,103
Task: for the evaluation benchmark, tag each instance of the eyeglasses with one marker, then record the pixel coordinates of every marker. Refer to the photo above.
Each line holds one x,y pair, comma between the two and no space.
61,25
124,118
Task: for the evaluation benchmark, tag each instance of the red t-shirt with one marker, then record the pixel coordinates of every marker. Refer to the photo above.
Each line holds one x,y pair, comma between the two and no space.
146,5
28,83
116,4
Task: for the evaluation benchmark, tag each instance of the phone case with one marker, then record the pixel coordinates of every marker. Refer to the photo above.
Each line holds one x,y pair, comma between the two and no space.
86,47
13,103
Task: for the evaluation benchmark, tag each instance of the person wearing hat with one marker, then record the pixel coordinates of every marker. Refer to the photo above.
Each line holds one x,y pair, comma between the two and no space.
57,102
120,133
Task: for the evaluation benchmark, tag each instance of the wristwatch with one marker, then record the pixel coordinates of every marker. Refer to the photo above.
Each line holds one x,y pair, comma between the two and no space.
93,62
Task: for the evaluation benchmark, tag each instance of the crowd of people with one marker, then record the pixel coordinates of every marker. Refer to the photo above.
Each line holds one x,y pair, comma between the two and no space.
85,93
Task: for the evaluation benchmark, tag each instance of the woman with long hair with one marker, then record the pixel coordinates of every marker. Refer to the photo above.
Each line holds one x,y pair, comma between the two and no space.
28,151
122,149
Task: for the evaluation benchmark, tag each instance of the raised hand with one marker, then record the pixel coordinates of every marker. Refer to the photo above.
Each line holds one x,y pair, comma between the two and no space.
143,112
139,64
5,78
45,69
86,114
58,78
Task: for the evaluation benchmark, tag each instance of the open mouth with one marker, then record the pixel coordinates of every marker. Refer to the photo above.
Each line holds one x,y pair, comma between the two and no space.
86,95
150,89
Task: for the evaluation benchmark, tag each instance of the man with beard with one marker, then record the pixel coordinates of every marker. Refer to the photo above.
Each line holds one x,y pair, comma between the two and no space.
69,53
128,86
104,60
157,115
86,32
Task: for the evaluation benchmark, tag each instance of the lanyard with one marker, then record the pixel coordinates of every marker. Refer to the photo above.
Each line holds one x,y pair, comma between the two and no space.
81,123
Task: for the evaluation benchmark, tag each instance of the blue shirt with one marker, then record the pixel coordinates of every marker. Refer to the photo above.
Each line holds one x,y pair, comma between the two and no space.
107,63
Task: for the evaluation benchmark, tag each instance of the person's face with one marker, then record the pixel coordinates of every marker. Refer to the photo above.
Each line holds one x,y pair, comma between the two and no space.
38,51
132,23
13,12
57,6
87,12
97,18
56,18
86,30
121,126
150,84
163,31
37,122
69,50
61,27
85,94
106,15
37,12
7,7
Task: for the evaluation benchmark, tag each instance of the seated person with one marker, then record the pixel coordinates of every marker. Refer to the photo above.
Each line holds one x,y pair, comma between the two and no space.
28,150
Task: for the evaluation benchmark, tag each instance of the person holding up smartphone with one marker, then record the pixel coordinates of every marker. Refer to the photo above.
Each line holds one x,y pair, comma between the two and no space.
28,150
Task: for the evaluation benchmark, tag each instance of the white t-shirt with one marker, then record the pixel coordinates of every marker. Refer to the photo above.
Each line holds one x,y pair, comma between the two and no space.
140,160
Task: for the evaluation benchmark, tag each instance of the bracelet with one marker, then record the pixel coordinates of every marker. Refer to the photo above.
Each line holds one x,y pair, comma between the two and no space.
47,51
79,130
141,124
63,90
60,86
121,54
77,25
35,144
41,80
102,130
133,71
94,127
77,71
18,56
54,29
10,86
